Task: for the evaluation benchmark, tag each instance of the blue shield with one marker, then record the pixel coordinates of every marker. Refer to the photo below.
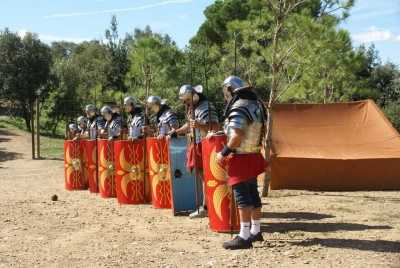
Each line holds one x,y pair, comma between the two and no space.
183,184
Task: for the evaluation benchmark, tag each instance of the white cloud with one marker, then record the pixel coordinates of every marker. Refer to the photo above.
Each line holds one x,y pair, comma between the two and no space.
22,33
373,35
59,38
398,38
183,16
50,38
116,10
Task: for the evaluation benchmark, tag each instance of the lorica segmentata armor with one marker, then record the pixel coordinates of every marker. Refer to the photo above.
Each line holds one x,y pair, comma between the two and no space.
135,123
168,118
246,115
201,116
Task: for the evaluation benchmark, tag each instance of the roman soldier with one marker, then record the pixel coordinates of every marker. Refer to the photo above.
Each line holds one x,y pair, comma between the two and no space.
135,120
166,118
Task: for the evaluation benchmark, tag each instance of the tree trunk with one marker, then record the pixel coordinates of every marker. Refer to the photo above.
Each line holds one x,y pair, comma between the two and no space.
53,131
268,138
27,118
325,88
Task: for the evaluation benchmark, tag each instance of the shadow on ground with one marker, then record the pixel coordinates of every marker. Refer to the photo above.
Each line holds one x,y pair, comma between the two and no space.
295,215
319,227
4,154
369,245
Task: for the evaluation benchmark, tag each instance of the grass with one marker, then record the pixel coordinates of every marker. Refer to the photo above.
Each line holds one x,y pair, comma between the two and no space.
280,194
293,233
50,148
12,124
385,217
343,201
345,209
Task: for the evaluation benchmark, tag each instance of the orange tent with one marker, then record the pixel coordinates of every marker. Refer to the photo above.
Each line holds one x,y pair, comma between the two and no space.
334,146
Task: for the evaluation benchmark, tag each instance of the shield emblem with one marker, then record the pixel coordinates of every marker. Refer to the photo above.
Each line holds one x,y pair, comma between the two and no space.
106,172
129,164
183,182
219,194
75,165
160,177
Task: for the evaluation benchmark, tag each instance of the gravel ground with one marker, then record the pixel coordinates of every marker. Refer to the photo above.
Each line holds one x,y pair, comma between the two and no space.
80,229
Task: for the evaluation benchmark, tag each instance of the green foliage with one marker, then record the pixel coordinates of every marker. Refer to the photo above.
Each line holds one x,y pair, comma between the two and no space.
12,123
392,112
117,64
25,69
291,51
49,147
155,67
386,79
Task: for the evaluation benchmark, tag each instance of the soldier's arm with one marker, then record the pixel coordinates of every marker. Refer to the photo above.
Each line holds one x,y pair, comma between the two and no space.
233,143
176,133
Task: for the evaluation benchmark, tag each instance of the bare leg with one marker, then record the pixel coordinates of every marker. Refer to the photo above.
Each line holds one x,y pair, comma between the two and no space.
245,214
256,214
203,185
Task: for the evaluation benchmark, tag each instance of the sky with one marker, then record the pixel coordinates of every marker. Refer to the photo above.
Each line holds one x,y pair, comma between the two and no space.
371,21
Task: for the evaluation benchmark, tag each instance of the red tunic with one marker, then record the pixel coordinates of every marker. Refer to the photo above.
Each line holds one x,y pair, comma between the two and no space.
190,158
245,166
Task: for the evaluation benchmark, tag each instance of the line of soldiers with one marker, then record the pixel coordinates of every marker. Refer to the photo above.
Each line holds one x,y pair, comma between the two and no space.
243,122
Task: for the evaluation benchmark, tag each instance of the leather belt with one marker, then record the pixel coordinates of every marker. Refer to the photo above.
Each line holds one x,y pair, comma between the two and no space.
247,149
198,135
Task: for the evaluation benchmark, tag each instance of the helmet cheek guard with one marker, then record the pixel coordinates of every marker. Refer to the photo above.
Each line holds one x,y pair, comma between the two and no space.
186,92
154,103
106,112
90,110
82,121
130,103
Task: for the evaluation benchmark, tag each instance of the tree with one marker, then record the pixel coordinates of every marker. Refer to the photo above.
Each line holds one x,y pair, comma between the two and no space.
214,29
117,63
153,61
25,69
277,36
331,73
386,79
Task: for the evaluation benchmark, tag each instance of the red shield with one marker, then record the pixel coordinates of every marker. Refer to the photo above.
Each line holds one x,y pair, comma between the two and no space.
106,172
160,178
92,165
219,194
75,165
129,163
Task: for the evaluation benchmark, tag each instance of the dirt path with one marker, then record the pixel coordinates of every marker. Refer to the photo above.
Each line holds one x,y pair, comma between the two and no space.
301,228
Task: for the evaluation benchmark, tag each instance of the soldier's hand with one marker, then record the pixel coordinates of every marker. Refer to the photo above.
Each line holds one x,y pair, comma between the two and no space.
110,139
160,137
219,158
144,129
210,134
134,140
193,123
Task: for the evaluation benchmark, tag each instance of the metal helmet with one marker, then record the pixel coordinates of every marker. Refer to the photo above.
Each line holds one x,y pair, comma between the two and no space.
187,92
90,110
232,85
72,127
106,112
130,103
154,103
82,121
